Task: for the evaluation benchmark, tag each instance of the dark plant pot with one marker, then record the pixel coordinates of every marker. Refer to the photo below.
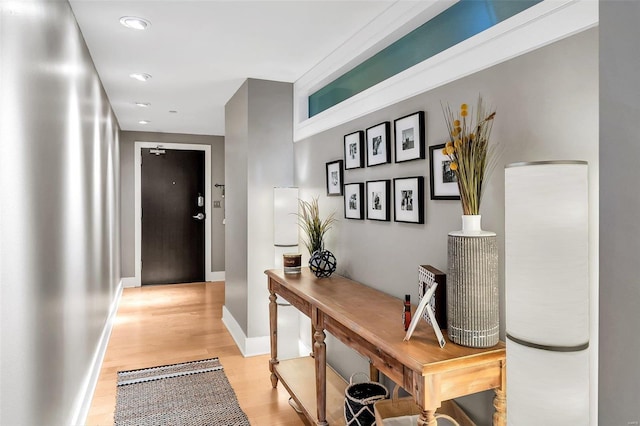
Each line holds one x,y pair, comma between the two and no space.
322,263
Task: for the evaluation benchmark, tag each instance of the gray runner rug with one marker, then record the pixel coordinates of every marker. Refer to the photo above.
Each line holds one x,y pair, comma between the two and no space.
192,393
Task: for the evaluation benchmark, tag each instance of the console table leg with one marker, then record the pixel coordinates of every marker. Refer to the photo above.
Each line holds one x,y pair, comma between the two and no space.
500,400
427,418
500,404
374,373
320,355
273,325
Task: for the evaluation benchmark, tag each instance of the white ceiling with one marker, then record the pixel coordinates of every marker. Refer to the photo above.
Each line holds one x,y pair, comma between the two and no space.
200,52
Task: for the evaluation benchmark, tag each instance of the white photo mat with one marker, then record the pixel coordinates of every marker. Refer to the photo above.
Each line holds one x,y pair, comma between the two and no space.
353,150
354,201
378,199
334,178
444,185
378,146
408,199
409,137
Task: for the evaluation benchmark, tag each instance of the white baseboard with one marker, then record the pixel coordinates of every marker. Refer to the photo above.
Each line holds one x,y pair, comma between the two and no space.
257,346
215,276
88,386
249,346
128,282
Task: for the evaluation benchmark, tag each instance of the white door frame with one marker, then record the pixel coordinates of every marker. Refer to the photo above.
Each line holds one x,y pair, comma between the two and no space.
138,201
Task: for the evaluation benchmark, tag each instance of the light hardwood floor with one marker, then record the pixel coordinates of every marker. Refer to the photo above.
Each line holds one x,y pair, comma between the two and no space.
166,324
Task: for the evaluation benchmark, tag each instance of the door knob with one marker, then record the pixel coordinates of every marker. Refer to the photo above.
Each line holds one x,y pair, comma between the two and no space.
199,216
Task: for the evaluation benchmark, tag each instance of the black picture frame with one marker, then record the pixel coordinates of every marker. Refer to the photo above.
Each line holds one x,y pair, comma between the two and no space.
443,181
335,178
379,144
379,200
408,199
409,134
354,201
354,150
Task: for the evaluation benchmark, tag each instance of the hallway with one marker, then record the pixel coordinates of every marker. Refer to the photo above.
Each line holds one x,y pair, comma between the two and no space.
166,324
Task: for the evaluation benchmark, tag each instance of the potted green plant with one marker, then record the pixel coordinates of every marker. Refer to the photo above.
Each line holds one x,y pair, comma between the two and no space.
322,262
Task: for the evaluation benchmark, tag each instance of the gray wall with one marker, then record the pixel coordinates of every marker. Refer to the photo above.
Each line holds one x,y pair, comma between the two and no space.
60,231
619,211
127,189
547,108
259,123
236,158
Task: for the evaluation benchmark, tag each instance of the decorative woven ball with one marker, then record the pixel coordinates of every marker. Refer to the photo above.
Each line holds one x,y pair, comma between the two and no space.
322,263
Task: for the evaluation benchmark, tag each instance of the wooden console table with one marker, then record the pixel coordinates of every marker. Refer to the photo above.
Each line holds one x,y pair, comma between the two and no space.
368,321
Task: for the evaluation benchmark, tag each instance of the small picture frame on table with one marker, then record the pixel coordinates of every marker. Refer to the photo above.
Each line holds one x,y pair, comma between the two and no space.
443,181
408,199
409,137
378,199
427,276
428,285
354,201
379,144
353,150
334,178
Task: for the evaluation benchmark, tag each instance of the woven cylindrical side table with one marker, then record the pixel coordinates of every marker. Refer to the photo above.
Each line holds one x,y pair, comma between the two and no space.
472,288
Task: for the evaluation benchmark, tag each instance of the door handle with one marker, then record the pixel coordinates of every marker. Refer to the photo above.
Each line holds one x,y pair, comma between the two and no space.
199,216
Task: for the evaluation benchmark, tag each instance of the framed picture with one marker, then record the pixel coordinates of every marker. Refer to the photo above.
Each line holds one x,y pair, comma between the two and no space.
334,178
354,201
379,144
427,276
353,150
409,132
425,309
378,199
444,184
408,199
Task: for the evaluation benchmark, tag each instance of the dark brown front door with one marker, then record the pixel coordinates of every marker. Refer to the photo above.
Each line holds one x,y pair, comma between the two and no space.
172,239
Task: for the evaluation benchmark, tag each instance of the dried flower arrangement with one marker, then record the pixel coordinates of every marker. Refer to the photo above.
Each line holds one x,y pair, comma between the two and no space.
469,150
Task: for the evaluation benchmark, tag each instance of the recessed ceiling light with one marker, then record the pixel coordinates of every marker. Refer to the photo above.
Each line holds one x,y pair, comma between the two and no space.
140,76
135,23
143,104
144,122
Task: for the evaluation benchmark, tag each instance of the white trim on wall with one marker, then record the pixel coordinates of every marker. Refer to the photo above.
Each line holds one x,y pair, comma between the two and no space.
216,276
542,24
128,282
138,201
88,387
249,346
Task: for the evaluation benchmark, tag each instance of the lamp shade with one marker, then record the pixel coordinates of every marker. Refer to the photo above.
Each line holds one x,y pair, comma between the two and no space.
285,219
547,292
